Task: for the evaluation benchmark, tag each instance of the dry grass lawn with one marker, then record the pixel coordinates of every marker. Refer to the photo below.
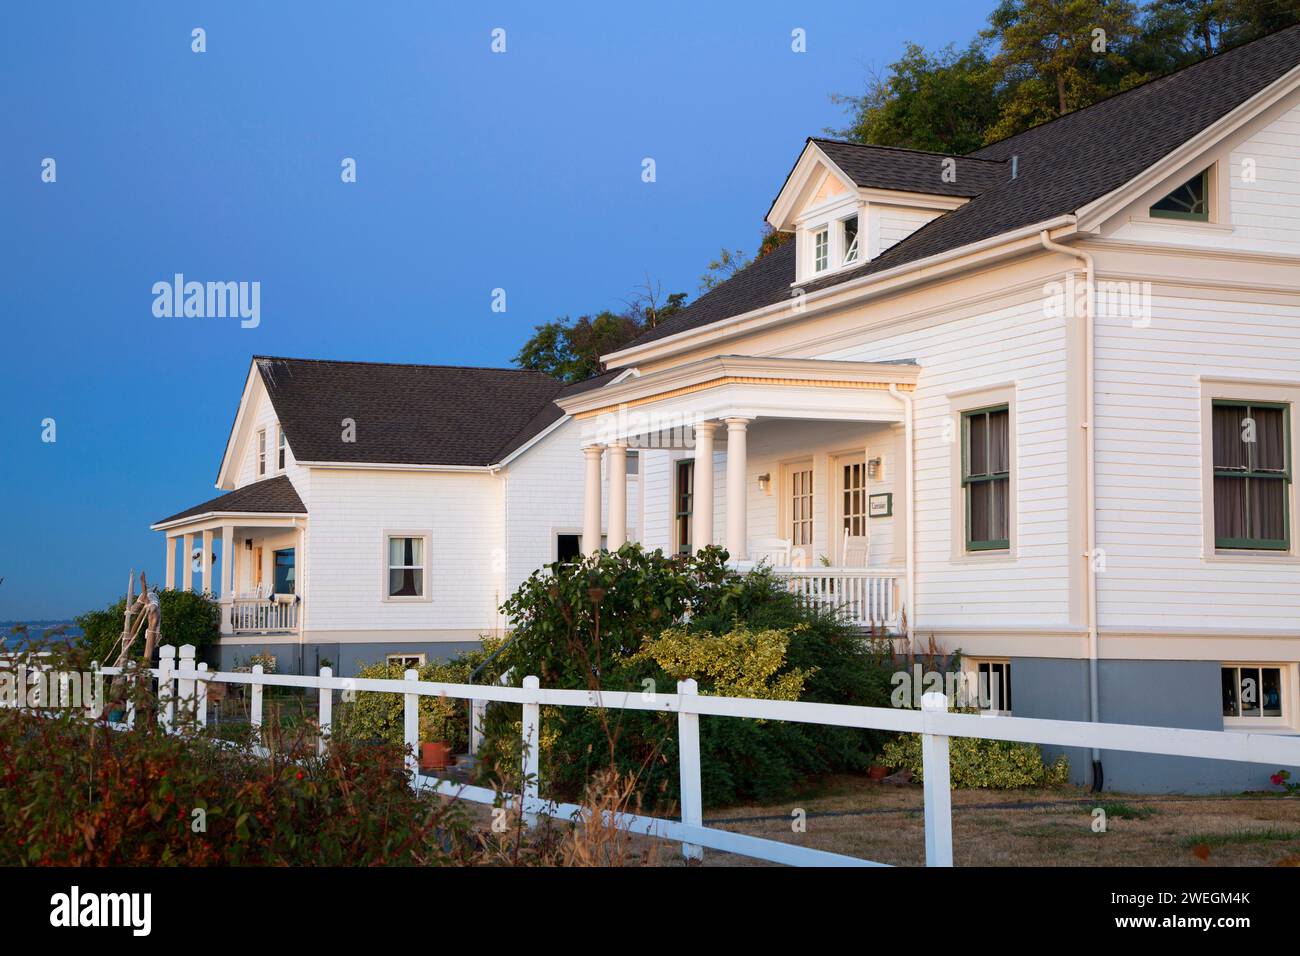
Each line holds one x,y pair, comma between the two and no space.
883,822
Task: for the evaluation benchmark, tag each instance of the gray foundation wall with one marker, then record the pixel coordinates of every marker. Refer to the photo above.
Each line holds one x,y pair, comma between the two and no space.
1152,693
346,658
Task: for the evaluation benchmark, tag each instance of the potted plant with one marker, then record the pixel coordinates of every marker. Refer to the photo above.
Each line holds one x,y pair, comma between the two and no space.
435,736
878,770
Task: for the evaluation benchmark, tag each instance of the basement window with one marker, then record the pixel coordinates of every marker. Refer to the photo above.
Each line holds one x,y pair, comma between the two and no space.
1190,201
1253,695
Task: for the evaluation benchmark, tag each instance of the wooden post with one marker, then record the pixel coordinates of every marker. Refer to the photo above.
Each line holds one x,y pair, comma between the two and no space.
325,717
170,580
187,569
938,787
255,705
531,789
201,696
688,750
166,688
411,728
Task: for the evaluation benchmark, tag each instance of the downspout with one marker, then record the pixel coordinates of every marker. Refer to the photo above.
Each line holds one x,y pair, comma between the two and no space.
500,471
1090,484
910,516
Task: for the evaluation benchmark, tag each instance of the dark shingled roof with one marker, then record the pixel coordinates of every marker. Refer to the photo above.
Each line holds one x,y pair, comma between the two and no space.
1063,165
407,414
271,496
910,170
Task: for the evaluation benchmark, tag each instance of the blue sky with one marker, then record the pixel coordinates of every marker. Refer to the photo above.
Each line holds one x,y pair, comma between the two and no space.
475,171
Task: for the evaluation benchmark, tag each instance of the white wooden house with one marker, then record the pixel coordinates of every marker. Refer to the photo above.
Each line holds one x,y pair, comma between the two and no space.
1038,403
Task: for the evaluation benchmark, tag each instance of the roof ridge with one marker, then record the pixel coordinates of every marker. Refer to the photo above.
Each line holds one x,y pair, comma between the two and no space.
462,368
905,149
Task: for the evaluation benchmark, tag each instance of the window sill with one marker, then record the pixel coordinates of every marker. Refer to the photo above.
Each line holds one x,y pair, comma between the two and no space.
1007,556
1273,729
1183,224
1220,556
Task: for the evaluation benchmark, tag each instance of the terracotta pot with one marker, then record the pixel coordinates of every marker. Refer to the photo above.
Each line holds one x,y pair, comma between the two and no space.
877,772
435,755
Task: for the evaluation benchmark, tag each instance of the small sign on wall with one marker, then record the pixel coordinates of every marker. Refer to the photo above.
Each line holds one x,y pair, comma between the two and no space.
881,505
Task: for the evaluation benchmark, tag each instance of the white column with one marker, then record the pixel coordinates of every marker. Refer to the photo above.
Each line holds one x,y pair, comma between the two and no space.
736,491
170,580
227,576
702,493
205,562
187,572
617,534
591,501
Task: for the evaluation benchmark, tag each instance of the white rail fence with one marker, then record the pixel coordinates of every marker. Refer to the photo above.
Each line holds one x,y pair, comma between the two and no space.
869,598
186,686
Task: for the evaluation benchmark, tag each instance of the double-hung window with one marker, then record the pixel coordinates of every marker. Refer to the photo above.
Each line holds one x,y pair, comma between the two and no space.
986,478
1252,475
281,449
821,250
261,452
406,566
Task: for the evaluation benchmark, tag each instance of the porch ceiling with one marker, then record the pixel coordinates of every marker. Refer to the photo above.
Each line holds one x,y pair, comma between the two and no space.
734,386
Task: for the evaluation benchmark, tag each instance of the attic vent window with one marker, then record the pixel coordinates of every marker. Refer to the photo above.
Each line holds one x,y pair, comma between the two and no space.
821,250
850,240
1191,200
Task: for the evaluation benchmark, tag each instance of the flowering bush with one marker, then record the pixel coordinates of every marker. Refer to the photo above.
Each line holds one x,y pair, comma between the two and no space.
1283,779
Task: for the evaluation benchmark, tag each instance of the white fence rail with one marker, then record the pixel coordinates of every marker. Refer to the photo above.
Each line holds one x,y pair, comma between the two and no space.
186,685
869,598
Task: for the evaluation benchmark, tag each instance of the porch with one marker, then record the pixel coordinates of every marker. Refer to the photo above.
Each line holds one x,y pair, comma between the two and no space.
256,557
797,465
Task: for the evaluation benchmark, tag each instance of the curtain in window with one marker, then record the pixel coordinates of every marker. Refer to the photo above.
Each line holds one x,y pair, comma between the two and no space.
1250,474
405,567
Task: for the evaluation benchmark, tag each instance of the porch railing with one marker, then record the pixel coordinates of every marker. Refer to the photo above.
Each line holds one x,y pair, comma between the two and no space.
263,615
869,597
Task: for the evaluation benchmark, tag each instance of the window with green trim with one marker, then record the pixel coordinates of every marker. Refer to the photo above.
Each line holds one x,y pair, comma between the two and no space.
1191,200
986,477
1252,475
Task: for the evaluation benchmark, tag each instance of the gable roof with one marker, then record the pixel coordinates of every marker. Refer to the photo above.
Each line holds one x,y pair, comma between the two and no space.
912,170
1063,165
270,496
407,414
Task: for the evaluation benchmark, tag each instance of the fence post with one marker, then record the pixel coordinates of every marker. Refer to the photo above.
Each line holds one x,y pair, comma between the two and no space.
477,712
411,728
938,788
166,687
531,789
325,718
201,696
185,686
688,750
255,707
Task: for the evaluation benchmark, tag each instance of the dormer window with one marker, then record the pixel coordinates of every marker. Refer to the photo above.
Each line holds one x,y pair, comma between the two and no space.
850,244
1190,201
821,250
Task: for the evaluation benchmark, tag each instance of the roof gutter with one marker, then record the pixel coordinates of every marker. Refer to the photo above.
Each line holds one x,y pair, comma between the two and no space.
1090,482
908,274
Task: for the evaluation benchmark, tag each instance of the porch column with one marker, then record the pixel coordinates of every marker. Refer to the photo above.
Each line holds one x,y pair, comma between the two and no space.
187,570
169,581
736,490
227,575
617,534
205,562
591,501
702,493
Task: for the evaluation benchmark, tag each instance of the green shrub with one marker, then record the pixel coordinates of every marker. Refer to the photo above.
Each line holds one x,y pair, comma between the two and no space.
618,620
187,618
380,716
977,762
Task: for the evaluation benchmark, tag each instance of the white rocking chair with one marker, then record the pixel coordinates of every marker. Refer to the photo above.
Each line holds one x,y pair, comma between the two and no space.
855,551
775,552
